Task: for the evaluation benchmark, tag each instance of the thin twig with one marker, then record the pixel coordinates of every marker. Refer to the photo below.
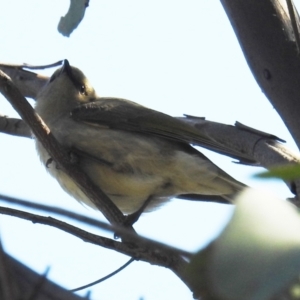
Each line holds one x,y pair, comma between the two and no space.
141,248
32,67
146,244
58,211
104,278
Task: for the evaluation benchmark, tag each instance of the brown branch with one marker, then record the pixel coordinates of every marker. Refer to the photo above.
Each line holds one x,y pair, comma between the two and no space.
267,39
79,218
82,234
59,211
58,153
92,238
19,282
27,82
267,35
248,146
139,247
294,22
6,288
14,126
38,67
26,283
266,149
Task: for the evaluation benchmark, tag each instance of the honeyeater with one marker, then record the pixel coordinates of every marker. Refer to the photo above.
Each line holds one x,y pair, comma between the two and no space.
131,152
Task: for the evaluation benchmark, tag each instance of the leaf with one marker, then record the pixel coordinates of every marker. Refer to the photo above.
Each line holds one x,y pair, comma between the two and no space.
73,17
286,172
257,255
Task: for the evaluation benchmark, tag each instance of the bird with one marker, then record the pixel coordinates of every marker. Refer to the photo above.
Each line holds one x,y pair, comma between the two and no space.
135,154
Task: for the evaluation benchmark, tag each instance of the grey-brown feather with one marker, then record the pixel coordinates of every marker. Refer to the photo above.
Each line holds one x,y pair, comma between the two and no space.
132,153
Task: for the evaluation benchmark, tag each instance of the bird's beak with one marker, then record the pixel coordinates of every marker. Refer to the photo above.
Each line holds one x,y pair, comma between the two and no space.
66,68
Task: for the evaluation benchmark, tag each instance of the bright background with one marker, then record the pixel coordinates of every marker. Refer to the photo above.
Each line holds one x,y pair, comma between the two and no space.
173,56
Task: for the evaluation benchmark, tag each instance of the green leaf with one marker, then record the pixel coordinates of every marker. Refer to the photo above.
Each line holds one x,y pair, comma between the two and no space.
288,172
255,257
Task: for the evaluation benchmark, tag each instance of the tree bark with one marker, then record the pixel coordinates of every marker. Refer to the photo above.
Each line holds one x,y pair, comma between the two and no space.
266,36
19,282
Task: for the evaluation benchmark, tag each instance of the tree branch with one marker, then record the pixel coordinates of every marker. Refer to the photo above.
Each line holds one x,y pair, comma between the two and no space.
142,241
267,39
58,153
239,142
24,283
6,288
27,82
139,248
14,126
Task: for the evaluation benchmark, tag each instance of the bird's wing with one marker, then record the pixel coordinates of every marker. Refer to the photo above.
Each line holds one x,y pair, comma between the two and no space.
126,115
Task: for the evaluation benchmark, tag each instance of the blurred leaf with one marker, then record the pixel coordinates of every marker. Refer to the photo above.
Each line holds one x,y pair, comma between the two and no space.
288,172
256,256
73,17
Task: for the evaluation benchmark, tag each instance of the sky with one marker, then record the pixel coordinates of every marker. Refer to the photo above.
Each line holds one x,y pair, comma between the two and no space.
178,57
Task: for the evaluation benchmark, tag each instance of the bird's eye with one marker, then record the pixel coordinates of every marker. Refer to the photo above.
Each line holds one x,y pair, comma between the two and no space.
82,90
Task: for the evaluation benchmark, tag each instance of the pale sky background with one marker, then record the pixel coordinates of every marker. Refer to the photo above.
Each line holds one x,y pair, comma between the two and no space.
173,56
